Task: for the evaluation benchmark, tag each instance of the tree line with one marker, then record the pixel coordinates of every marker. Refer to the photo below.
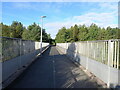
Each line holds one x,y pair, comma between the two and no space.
17,30
86,33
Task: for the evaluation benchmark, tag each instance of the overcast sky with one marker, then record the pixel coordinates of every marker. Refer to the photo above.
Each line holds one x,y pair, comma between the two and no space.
61,14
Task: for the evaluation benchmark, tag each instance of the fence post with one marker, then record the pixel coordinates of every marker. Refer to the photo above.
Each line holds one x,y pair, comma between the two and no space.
110,59
20,53
118,52
87,55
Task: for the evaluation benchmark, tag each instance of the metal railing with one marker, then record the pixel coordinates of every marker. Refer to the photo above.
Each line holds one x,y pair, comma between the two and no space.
14,47
104,51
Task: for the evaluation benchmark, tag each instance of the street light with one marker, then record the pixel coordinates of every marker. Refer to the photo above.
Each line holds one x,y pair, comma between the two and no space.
41,33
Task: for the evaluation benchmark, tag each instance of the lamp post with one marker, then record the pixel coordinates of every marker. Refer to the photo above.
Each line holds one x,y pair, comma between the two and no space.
41,33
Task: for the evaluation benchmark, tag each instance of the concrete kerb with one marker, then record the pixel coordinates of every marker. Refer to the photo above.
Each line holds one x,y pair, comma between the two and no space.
91,75
19,71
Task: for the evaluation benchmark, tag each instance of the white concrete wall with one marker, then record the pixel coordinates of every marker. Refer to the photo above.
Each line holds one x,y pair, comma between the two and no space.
79,52
11,66
26,50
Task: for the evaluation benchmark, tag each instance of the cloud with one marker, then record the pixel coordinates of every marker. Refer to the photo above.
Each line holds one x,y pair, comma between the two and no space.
102,19
55,26
111,6
103,16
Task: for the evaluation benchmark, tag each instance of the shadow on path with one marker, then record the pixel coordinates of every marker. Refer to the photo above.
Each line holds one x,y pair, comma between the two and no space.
53,70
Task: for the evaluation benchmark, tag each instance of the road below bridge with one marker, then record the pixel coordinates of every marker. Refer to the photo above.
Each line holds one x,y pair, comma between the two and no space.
53,70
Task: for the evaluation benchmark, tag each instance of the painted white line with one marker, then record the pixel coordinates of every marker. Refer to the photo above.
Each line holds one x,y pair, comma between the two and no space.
54,70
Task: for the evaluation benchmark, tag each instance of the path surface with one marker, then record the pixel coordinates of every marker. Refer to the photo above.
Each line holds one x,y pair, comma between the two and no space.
53,70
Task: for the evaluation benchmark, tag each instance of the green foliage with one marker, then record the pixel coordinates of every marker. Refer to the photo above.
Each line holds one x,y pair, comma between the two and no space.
32,32
75,33
83,33
5,30
61,36
17,30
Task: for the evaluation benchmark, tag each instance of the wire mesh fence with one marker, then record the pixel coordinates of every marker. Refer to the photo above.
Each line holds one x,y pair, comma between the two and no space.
104,51
13,47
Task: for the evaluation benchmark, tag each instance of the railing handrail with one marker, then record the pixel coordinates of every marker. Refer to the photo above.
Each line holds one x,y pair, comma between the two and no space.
101,40
21,39
96,41
18,39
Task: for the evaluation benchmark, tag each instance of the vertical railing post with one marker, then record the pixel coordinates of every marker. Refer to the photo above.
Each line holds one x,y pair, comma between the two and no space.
20,53
110,59
115,54
97,50
110,52
66,48
94,49
87,55
102,44
108,83
118,53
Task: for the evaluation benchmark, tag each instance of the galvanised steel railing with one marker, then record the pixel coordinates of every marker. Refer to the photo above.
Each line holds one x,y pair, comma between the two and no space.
14,47
104,51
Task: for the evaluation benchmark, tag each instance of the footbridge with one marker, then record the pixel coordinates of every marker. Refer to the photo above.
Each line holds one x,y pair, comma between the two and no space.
84,64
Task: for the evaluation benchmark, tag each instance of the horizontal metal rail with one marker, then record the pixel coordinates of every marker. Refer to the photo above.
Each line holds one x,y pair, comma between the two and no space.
14,47
104,51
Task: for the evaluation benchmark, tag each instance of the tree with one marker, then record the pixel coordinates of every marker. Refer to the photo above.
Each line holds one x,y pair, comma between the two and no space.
33,32
102,34
93,32
75,33
25,34
61,36
16,29
5,30
83,33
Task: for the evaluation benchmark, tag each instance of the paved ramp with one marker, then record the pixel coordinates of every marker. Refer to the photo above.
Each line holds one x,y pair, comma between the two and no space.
53,70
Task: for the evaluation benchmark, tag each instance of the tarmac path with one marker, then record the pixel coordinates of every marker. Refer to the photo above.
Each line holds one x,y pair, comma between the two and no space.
53,70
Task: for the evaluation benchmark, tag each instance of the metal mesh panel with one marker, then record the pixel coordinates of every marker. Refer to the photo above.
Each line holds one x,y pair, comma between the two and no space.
13,47
10,48
27,46
103,51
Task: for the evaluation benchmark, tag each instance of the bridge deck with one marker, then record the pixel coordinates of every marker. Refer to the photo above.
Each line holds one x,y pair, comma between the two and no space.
53,70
